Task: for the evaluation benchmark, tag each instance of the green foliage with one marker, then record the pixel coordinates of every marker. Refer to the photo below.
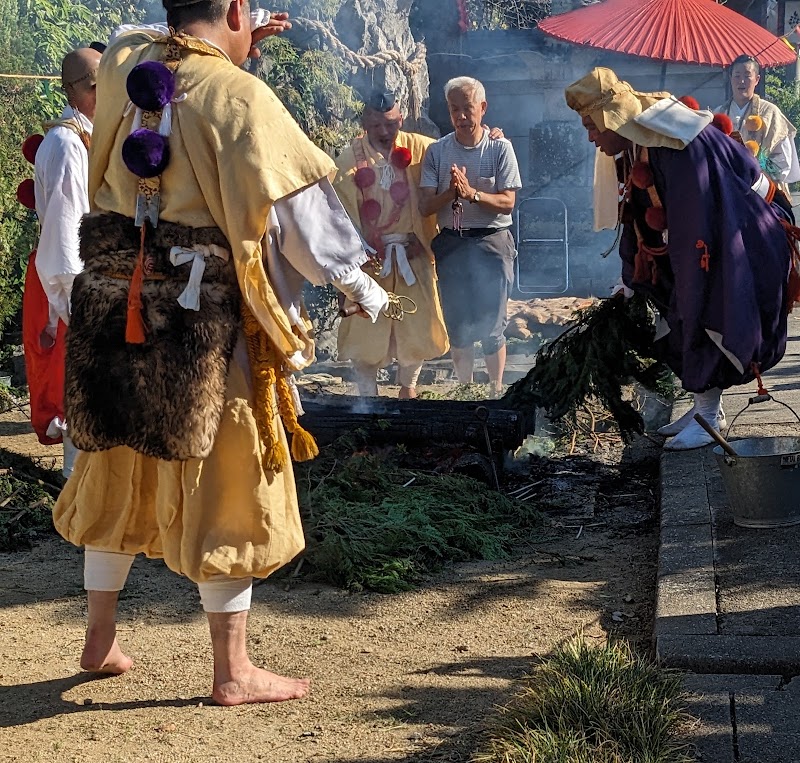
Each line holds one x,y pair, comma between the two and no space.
311,82
589,704
310,85
786,96
506,14
608,346
34,37
19,117
366,527
41,32
459,392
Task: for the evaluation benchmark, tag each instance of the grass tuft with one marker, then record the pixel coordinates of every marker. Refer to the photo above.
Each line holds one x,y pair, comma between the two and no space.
589,704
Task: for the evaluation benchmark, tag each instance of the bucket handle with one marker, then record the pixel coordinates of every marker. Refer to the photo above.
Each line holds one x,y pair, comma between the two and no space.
763,398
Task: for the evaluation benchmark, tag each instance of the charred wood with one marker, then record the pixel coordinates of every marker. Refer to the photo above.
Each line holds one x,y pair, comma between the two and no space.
390,421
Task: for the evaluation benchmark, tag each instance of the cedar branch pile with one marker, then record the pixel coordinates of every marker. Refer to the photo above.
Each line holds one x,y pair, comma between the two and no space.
608,346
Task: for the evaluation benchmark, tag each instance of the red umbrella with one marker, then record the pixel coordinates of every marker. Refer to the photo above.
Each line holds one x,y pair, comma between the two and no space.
682,31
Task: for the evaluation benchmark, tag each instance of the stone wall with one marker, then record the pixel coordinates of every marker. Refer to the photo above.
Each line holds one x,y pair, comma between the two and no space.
371,26
525,74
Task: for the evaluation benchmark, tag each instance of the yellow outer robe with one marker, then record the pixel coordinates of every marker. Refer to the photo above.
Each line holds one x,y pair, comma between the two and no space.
417,337
234,152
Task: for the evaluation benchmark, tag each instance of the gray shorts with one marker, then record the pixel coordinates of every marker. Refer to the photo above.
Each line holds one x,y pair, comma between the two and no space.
476,273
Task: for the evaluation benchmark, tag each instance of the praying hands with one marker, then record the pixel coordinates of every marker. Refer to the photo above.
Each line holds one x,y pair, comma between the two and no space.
459,182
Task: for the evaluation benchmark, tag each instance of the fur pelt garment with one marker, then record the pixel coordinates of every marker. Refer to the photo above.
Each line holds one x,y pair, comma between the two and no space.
163,398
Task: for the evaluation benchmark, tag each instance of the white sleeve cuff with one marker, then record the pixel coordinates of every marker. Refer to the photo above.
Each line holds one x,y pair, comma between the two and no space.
358,287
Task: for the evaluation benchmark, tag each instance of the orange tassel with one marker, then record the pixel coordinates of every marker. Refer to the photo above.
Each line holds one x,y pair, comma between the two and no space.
705,258
134,326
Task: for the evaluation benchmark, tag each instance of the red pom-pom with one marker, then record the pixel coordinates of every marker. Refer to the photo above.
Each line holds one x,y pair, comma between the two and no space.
370,210
401,157
26,195
692,103
641,175
723,122
656,218
364,177
399,193
31,146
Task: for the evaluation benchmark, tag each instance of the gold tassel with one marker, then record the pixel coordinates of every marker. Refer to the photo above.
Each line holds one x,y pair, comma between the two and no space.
263,375
304,447
270,383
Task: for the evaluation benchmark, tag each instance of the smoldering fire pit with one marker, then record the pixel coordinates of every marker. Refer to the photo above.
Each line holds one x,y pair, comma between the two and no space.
484,426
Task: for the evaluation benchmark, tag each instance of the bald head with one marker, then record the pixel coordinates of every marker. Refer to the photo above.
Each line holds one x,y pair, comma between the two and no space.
78,76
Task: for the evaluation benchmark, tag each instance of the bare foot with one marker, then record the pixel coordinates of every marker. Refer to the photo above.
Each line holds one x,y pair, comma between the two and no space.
253,685
407,393
100,657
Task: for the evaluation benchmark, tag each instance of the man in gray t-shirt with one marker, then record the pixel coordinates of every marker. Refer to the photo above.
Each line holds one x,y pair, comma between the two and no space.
470,183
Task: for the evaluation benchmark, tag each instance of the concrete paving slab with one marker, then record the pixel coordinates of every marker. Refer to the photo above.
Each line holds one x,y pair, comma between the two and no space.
749,588
686,605
730,654
685,504
714,701
686,549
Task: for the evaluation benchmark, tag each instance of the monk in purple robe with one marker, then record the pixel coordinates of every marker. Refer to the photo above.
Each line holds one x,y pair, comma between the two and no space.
704,235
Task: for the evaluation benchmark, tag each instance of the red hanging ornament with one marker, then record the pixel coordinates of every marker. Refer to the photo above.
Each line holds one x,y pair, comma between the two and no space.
370,210
364,177
399,192
656,218
400,157
30,146
723,122
26,194
692,103
641,175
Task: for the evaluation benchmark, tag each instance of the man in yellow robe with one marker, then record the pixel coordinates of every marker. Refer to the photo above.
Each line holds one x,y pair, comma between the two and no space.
377,181
201,192
763,127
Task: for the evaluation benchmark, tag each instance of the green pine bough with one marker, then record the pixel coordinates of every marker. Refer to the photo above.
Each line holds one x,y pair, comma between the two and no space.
605,349
373,523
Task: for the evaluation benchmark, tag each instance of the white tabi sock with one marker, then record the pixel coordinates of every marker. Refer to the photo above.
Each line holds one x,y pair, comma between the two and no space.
223,594
105,570
707,404
677,426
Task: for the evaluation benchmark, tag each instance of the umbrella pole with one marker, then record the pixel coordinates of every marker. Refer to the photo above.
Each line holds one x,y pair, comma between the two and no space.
663,84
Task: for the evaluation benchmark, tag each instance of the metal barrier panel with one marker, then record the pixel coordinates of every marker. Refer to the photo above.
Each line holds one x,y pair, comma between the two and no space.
542,264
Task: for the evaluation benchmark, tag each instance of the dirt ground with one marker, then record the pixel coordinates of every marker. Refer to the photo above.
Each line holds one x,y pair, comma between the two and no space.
412,677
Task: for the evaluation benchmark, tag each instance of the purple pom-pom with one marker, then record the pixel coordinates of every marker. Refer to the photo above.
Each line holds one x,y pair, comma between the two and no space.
145,153
151,85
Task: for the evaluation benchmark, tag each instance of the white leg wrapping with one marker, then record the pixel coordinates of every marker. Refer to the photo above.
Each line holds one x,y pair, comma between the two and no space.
707,404
407,376
105,570
366,379
70,452
224,594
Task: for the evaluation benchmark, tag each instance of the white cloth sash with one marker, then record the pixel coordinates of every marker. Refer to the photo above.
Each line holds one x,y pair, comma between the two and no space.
179,255
396,247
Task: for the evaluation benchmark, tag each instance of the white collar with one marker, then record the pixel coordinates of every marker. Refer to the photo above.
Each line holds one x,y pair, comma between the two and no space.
70,113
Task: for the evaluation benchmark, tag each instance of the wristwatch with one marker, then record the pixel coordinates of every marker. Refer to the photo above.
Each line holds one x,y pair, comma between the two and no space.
476,198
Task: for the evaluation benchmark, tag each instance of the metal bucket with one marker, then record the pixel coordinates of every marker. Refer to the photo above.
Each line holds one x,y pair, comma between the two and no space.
763,481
